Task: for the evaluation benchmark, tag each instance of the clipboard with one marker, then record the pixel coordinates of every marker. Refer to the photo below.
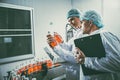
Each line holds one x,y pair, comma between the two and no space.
91,46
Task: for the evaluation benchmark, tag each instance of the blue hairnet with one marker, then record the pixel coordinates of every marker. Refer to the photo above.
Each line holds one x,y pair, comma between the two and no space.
74,13
94,16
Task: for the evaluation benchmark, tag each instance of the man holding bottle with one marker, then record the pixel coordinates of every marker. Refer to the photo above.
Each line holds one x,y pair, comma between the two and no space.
66,49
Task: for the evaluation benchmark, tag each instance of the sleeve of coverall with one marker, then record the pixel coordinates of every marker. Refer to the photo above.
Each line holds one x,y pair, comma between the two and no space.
65,54
68,45
111,62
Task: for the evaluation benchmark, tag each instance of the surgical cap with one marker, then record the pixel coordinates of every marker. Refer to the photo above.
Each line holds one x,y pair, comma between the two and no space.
73,13
94,16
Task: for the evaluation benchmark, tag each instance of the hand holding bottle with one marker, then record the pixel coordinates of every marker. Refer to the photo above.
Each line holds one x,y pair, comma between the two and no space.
54,40
51,40
58,38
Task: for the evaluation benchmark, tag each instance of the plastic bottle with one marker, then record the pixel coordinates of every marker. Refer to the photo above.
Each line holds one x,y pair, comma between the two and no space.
54,43
30,69
49,63
58,38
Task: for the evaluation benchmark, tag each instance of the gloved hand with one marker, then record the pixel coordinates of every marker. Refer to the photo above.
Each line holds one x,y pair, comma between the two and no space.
54,40
80,57
58,38
51,41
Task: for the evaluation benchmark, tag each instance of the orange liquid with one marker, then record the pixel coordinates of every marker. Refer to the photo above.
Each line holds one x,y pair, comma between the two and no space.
58,38
53,44
49,63
39,65
30,69
35,68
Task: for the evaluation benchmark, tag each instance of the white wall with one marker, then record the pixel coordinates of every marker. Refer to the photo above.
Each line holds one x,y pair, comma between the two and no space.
48,15
112,16
84,5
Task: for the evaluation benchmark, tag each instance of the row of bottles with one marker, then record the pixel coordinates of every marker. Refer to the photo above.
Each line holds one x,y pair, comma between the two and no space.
29,70
57,39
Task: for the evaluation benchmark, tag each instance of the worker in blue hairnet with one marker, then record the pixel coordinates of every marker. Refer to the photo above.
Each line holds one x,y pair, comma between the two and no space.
73,17
108,67
66,49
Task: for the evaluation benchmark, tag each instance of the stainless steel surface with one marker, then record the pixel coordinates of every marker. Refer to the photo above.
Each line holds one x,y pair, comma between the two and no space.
55,73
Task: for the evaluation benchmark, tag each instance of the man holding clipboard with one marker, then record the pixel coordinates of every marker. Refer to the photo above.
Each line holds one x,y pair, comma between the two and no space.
104,64
99,51
92,47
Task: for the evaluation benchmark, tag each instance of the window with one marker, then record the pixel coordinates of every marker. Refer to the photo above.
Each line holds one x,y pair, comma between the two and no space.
16,33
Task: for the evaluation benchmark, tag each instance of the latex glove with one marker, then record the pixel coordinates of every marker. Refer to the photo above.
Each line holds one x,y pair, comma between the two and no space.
51,41
79,55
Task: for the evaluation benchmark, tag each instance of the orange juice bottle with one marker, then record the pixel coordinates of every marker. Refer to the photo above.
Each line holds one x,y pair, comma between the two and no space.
30,69
49,63
35,67
39,64
54,43
57,37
